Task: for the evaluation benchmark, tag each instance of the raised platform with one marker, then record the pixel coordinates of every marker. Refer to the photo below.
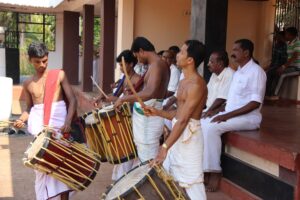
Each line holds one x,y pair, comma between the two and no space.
265,163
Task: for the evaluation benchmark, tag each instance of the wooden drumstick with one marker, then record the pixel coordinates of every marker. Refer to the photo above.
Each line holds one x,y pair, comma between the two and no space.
130,84
99,88
6,122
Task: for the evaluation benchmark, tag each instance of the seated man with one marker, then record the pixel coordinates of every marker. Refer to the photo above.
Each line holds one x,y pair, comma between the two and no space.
292,66
219,82
242,111
279,58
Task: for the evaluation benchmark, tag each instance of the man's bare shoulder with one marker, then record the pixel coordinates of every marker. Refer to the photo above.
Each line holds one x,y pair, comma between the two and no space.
197,84
61,75
27,81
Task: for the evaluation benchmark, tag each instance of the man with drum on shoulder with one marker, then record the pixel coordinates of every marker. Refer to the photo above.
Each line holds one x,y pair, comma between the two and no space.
147,130
46,187
182,152
123,89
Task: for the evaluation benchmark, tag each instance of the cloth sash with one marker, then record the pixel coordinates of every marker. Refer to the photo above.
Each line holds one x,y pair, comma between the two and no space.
50,88
184,158
120,84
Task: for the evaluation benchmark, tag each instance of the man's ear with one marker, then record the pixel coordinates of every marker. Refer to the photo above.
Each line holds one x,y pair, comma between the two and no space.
190,60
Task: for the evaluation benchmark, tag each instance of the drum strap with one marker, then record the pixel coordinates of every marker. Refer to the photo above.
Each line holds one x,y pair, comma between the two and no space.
50,88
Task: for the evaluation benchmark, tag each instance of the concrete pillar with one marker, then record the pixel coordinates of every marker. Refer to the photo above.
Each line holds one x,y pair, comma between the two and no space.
88,47
71,42
125,27
107,44
209,25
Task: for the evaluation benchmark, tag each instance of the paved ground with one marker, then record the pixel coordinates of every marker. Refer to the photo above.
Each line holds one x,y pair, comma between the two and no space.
17,181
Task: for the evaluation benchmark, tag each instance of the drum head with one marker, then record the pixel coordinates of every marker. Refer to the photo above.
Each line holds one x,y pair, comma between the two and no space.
135,177
41,140
106,109
90,119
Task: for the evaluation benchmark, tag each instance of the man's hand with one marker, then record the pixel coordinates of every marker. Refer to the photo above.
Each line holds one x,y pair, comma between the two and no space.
209,113
161,156
150,111
281,69
66,128
111,98
220,118
117,105
19,123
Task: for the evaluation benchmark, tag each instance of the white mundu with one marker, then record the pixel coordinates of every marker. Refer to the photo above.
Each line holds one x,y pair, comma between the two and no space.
184,160
248,84
147,130
218,86
46,187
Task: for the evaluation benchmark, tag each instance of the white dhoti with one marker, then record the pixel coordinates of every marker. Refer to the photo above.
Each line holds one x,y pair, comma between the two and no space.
212,137
121,169
46,187
184,160
147,130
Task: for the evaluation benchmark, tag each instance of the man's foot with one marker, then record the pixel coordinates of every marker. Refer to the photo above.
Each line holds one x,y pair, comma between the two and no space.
213,182
206,178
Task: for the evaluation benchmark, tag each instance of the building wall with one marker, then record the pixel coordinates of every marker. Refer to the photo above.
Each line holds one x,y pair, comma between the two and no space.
163,22
2,62
253,20
55,57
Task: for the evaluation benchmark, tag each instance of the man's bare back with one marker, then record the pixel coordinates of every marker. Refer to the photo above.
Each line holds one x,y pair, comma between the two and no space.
158,68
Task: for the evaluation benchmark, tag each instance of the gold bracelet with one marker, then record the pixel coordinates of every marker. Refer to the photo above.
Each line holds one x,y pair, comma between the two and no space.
164,145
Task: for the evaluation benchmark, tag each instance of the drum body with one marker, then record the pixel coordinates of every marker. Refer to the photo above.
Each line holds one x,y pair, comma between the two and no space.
109,133
144,182
70,163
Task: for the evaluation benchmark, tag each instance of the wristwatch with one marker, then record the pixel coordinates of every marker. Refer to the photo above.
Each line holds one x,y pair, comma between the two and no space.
164,145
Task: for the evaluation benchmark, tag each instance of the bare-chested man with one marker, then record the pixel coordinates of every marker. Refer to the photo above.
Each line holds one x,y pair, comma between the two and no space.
46,187
182,152
147,130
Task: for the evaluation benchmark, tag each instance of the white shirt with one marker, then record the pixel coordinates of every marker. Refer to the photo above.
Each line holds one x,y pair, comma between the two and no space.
174,78
248,84
218,86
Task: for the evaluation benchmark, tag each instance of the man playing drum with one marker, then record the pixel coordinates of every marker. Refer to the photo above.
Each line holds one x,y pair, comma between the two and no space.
147,130
46,187
182,152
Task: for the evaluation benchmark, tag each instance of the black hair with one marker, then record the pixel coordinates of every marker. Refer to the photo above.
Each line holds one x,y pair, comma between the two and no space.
292,30
128,57
175,49
196,50
141,43
160,53
222,56
246,44
37,50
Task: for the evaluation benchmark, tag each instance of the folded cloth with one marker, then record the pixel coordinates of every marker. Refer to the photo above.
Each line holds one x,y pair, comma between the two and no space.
184,160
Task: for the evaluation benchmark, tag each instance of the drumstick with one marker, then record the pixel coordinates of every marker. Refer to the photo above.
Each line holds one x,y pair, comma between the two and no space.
6,122
99,88
130,84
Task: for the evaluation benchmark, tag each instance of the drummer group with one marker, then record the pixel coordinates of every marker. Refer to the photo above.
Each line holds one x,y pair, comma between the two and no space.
196,113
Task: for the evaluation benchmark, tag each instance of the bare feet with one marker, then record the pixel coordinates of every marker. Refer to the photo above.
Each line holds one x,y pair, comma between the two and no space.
213,182
206,178
64,196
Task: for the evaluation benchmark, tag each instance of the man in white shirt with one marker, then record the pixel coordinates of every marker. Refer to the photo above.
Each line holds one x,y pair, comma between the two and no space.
219,82
242,111
170,59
